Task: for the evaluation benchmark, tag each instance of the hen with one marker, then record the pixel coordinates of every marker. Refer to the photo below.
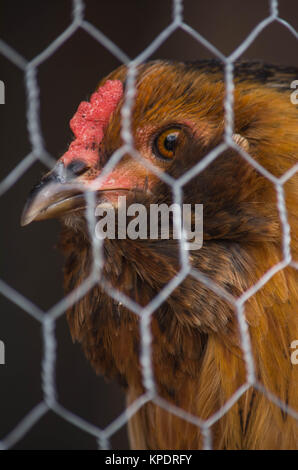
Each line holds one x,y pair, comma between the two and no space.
197,354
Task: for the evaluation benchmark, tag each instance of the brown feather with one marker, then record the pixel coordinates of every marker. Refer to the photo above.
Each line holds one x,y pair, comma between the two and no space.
197,355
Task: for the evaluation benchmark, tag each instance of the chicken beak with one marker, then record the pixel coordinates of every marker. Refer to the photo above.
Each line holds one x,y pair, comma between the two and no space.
55,195
62,191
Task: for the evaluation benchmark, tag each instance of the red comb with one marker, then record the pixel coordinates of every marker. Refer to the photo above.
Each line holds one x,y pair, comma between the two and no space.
90,120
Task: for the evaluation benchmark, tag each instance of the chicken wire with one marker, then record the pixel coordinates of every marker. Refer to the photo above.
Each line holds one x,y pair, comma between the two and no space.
39,153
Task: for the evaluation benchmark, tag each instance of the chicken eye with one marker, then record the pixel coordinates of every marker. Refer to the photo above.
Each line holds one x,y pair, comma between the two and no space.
165,143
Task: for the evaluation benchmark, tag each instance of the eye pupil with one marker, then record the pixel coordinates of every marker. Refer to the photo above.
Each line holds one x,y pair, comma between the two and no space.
170,142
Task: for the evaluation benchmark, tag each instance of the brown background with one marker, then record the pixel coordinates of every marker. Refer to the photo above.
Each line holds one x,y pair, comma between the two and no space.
29,261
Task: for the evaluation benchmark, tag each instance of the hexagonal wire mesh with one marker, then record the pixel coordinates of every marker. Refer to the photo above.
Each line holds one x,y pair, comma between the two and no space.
38,152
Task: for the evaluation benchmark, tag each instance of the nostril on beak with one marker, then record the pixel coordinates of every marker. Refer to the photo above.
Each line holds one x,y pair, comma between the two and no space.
76,168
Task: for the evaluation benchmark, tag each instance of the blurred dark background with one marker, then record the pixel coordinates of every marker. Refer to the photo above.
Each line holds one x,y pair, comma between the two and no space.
29,261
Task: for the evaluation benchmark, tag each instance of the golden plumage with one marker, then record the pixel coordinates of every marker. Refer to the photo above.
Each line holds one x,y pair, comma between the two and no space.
197,354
